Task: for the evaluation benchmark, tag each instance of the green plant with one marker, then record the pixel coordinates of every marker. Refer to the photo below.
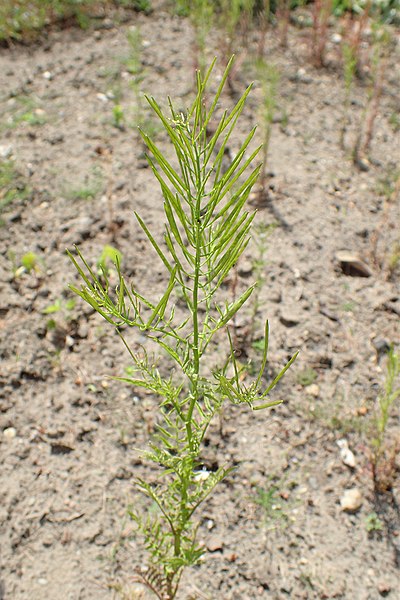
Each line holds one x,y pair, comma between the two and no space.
28,263
23,19
283,17
269,79
394,121
263,9
262,232
322,10
89,189
202,16
349,71
386,11
12,185
272,503
386,259
373,523
393,260
59,306
138,5
235,18
383,452
380,52
307,376
108,255
206,231
25,110
135,68
118,116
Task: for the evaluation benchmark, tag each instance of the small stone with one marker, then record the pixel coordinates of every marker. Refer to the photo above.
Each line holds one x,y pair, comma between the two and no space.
42,581
83,330
353,265
312,390
336,38
381,346
10,433
102,97
303,77
48,541
351,500
384,588
289,317
245,268
69,341
5,151
215,544
346,454
58,138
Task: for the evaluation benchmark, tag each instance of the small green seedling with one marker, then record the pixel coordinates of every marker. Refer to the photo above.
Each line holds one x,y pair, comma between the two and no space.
373,523
89,189
118,116
59,306
12,185
262,233
207,228
269,79
29,263
307,377
139,5
134,65
349,71
383,452
273,505
109,256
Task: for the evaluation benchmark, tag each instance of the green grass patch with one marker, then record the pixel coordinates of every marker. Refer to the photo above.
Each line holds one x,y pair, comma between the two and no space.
24,19
12,185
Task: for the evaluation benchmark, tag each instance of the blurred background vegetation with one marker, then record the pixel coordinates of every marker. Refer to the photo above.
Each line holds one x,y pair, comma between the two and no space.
24,19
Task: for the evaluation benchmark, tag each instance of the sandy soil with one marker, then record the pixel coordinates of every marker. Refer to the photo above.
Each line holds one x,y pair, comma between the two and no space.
68,434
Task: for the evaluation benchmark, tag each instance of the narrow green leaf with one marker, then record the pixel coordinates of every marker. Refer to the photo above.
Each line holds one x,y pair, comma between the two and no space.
154,243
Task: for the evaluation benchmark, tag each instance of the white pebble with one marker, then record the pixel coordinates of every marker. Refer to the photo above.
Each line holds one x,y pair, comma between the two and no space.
10,433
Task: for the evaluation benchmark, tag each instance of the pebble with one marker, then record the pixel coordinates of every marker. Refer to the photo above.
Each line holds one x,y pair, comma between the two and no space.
289,317
42,581
302,76
351,500
384,588
5,151
346,454
83,330
214,544
351,264
47,75
312,390
10,433
245,268
102,97
69,341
